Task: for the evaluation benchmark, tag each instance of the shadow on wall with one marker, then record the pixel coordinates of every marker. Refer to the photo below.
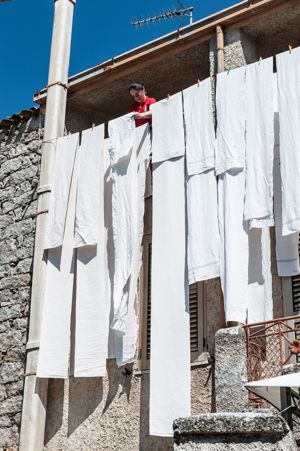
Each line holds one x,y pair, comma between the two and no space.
55,406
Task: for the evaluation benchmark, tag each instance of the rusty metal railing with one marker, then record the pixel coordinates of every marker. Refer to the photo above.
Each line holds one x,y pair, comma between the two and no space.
270,346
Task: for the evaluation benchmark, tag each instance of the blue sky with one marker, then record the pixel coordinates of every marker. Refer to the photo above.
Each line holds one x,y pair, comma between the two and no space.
101,29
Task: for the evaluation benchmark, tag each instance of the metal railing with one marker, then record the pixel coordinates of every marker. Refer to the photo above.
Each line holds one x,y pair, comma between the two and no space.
270,346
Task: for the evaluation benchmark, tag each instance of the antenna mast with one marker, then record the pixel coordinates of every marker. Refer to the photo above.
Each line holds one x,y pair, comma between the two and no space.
173,13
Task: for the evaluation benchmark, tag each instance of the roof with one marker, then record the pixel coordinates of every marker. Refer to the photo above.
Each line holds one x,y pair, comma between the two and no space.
18,117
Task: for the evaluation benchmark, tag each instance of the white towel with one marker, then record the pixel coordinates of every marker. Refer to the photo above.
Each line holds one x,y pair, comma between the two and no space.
63,168
54,350
89,187
128,175
288,72
199,126
202,196
287,254
169,130
170,381
230,103
259,144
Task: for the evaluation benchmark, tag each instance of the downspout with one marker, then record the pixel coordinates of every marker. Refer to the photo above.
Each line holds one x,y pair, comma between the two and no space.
220,49
35,390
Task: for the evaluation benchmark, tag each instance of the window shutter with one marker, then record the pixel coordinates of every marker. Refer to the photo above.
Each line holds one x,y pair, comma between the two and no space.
296,301
197,314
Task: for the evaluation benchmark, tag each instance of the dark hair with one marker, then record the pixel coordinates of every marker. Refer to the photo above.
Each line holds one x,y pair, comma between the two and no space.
136,85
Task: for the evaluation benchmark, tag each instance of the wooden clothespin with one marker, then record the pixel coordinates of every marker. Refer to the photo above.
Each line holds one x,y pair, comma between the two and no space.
260,60
93,126
198,81
290,48
168,96
229,69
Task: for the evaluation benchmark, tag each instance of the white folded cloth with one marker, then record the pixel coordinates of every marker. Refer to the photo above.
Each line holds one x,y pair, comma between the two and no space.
202,195
170,379
259,144
288,72
90,184
230,103
66,148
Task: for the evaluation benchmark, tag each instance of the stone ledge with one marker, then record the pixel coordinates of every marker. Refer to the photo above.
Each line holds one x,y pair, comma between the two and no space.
231,423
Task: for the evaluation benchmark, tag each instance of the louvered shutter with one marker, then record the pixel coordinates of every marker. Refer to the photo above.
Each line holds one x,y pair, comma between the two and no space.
296,301
197,314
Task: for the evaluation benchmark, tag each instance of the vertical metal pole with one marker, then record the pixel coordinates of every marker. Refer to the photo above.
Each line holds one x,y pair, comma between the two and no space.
220,49
35,390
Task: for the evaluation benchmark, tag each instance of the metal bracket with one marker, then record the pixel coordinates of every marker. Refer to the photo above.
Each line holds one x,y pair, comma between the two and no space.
41,212
59,83
32,345
44,189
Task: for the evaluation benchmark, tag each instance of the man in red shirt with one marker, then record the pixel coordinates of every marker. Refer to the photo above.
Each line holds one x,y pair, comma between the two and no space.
141,104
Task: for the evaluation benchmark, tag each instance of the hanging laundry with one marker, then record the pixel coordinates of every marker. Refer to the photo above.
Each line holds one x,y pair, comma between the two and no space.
287,253
230,103
259,144
247,291
63,169
90,184
288,72
202,195
129,179
92,306
55,342
170,379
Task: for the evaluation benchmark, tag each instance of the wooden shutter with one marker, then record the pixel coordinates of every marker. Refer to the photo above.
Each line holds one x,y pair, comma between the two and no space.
197,315
296,301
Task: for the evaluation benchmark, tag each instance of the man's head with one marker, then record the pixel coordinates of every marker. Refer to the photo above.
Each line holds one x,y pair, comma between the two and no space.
137,91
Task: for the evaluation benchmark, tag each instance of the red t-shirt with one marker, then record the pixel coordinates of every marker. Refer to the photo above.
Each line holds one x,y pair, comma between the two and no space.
142,108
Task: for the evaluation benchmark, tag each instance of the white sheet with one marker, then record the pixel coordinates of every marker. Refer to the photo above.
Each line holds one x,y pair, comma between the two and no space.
288,72
170,380
54,350
62,173
171,112
202,196
259,144
128,175
199,127
230,103
287,254
89,186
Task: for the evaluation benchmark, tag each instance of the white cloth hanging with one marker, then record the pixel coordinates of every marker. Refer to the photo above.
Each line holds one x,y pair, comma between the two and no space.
199,127
92,305
121,132
128,175
170,378
230,103
55,342
259,144
89,186
287,254
202,196
288,72
62,174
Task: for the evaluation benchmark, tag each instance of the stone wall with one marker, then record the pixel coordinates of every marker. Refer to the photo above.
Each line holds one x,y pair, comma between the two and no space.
19,167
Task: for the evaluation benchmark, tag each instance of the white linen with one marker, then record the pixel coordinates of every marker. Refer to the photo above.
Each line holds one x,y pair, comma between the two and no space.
288,72
128,175
54,350
199,127
168,130
121,132
202,196
62,173
170,380
259,144
287,254
89,187
230,103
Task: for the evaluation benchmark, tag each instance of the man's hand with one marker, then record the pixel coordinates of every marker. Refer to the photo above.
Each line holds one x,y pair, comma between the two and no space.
144,115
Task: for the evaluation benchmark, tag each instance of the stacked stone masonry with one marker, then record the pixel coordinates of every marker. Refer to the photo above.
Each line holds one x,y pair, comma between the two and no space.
19,175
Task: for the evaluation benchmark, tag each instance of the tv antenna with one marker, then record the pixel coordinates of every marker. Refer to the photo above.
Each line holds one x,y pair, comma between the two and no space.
171,14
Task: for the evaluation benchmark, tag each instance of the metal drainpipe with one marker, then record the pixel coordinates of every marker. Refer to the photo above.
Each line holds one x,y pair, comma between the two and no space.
35,390
220,49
